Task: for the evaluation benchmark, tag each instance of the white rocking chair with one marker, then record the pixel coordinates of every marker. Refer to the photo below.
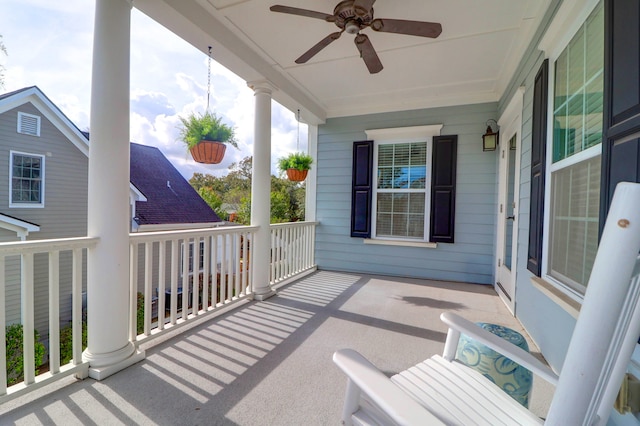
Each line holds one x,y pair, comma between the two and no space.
442,391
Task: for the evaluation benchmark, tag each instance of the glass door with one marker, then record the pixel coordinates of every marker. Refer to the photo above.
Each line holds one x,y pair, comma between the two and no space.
506,249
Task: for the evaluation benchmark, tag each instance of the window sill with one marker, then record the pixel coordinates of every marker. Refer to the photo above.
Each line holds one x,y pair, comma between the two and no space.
26,206
558,297
400,243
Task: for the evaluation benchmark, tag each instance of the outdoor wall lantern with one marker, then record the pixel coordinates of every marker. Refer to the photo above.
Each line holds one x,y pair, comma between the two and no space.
490,138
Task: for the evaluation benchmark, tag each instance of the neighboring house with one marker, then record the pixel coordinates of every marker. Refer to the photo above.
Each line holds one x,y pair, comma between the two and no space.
43,164
166,200
44,161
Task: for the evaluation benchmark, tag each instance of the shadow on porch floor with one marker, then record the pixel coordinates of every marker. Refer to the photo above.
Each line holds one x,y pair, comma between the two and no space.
270,362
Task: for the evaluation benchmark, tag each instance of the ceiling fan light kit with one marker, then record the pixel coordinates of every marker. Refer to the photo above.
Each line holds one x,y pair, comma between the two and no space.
353,16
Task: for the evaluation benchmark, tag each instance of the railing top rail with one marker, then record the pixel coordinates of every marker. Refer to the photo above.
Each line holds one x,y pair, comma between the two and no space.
38,246
187,233
292,224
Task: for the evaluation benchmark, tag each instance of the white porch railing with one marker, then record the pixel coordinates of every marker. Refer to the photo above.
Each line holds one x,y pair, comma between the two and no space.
23,253
176,276
292,249
160,260
179,275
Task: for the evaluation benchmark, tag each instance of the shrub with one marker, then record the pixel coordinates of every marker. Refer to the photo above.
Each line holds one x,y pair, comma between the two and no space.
140,314
66,342
15,358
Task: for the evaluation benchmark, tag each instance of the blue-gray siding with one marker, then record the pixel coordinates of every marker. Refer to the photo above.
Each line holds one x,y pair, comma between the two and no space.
470,258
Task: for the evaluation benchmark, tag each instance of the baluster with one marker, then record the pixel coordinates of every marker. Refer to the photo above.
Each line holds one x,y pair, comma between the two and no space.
185,278
236,269
27,318
195,267
54,312
162,268
148,280
133,291
76,308
173,308
205,272
231,295
223,269
215,283
245,262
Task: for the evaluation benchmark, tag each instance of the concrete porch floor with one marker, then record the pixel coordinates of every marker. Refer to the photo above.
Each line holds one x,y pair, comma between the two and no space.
269,363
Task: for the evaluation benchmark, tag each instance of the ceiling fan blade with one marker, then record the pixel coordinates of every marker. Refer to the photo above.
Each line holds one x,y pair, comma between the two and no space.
368,53
302,12
400,26
362,7
318,47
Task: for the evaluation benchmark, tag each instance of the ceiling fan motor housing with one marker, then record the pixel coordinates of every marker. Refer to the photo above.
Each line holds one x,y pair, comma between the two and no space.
350,19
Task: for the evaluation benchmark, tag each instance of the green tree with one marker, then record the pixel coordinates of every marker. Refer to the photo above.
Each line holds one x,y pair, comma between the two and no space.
244,212
212,199
279,207
234,189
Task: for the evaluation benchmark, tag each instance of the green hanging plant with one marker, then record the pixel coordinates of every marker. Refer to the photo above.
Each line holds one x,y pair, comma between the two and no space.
207,126
297,161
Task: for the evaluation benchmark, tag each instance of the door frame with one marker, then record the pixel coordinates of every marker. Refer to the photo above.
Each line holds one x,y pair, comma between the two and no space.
511,122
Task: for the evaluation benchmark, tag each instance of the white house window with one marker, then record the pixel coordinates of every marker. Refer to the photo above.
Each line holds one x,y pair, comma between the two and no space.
201,257
401,191
28,124
27,180
575,155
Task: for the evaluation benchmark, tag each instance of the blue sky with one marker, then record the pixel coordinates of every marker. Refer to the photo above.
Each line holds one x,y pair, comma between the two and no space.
50,43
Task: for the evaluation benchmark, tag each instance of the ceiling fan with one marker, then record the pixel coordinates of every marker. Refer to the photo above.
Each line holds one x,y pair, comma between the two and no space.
353,16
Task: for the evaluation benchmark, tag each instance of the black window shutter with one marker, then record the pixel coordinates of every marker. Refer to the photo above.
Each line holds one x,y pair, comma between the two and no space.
443,189
362,189
538,161
621,144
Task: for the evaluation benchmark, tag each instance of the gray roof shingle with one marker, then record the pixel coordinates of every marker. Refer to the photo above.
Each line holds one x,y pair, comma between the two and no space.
170,198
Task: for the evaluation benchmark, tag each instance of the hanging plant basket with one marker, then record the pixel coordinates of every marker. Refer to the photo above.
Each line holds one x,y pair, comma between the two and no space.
296,165
296,175
208,152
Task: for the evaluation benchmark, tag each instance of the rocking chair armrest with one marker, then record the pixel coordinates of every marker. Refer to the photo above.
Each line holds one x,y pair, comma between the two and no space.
513,352
388,397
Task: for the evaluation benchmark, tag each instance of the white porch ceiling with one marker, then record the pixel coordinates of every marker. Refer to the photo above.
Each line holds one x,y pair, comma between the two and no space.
472,60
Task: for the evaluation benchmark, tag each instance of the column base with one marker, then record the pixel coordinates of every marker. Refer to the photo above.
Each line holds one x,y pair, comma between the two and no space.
103,365
100,373
264,296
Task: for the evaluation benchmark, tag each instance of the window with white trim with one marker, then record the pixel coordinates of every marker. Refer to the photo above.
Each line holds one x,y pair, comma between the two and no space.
28,124
201,256
401,190
574,157
26,188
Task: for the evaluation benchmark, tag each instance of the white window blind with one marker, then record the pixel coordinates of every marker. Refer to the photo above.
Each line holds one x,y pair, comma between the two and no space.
401,190
575,170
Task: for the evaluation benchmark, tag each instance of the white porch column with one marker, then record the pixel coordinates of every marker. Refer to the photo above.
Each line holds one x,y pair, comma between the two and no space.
261,191
312,178
109,349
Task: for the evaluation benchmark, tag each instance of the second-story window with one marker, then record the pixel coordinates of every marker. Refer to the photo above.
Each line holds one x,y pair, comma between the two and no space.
27,180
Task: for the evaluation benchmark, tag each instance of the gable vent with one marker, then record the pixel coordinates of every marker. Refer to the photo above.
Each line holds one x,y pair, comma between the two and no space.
28,124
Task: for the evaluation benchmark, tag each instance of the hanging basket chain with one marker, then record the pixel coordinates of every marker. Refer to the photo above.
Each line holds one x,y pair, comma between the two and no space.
298,144
209,79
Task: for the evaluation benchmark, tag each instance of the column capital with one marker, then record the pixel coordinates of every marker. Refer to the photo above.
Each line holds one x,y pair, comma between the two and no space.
262,86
